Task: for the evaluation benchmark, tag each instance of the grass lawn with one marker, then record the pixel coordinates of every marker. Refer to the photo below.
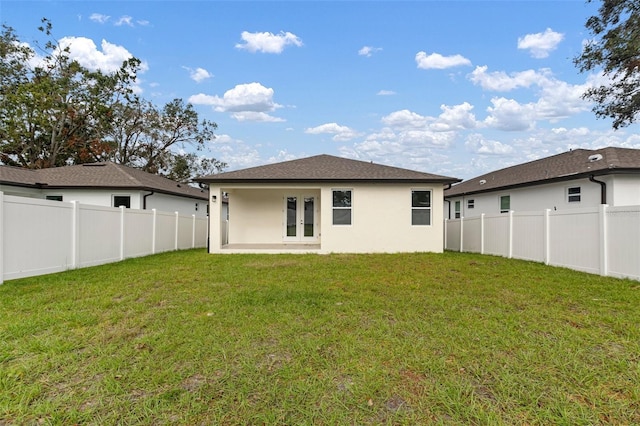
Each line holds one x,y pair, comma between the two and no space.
191,338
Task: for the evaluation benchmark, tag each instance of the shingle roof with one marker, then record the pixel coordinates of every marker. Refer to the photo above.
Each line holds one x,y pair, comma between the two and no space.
97,175
325,168
575,164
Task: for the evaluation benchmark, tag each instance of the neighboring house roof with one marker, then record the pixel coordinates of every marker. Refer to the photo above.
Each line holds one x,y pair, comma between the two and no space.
575,164
325,168
106,175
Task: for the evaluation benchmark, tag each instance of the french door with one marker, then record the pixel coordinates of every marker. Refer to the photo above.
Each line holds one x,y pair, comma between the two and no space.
300,218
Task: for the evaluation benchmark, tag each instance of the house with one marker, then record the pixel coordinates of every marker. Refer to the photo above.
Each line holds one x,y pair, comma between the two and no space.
105,184
578,178
326,204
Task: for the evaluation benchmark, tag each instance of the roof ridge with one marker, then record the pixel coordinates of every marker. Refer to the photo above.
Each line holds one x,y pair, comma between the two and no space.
124,170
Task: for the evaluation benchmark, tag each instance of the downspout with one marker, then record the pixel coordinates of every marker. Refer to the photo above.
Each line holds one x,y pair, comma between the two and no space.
603,189
447,201
144,200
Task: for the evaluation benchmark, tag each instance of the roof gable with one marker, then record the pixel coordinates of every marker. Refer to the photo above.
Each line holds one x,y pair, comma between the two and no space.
105,175
324,168
574,164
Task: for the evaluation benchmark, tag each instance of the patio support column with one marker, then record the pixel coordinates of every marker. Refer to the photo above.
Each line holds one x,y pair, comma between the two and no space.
215,219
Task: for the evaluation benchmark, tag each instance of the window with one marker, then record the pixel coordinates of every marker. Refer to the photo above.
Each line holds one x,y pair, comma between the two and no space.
505,203
457,210
342,207
54,197
122,200
420,207
573,194
471,204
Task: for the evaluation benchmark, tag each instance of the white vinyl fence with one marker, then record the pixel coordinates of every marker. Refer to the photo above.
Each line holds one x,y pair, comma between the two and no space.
601,240
40,236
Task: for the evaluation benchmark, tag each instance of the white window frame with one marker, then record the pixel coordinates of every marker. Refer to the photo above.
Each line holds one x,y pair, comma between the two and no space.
113,199
500,203
577,196
471,203
349,208
429,208
457,209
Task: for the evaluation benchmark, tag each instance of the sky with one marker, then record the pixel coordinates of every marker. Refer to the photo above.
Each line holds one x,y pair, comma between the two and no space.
455,88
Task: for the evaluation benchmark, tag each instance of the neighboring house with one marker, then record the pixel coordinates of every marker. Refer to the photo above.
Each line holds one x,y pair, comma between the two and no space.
327,204
578,178
105,184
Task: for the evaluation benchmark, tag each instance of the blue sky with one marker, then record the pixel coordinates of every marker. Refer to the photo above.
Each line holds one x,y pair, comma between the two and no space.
456,88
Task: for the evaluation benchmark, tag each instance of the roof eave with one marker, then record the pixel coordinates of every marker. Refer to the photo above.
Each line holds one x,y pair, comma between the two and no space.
599,172
319,181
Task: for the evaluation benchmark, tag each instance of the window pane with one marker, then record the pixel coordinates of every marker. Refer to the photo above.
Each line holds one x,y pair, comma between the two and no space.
341,198
421,216
308,217
54,197
342,216
505,202
421,198
292,206
574,190
122,200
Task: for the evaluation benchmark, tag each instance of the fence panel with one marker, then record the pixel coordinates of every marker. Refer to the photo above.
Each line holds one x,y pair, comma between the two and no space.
623,241
201,232
138,233
165,231
185,232
528,236
452,234
574,238
99,235
37,237
472,235
496,235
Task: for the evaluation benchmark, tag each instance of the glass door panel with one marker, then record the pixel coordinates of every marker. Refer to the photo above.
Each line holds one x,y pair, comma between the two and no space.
309,213
292,216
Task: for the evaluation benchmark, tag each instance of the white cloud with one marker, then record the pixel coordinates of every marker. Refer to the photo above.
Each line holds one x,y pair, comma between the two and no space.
405,119
266,42
500,81
457,117
124,20
478,144
368,51
341,133
437,61
508,114
86,52
99,18
246,102
540,44
386,93
199,74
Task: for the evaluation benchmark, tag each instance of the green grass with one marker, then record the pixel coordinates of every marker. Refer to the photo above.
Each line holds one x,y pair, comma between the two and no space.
191,338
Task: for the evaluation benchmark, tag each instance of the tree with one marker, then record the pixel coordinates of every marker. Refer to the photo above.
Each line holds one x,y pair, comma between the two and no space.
184,167
143,136
58,112
54,113
615,49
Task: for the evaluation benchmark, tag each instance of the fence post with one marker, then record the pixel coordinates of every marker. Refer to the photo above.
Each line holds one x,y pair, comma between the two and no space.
1,237
604,240
75,235
153,231
461,233
546,243
482,233
122,232
193,231
177,226
510,234
446,225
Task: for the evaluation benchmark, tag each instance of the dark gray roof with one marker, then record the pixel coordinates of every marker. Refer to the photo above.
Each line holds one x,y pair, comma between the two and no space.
325,168
575,164
97,175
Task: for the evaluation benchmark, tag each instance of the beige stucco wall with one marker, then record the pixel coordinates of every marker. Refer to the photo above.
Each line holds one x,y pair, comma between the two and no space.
381,218
381,221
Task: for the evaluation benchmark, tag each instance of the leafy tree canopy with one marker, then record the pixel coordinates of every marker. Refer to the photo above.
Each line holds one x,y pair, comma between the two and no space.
614,50
56,112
